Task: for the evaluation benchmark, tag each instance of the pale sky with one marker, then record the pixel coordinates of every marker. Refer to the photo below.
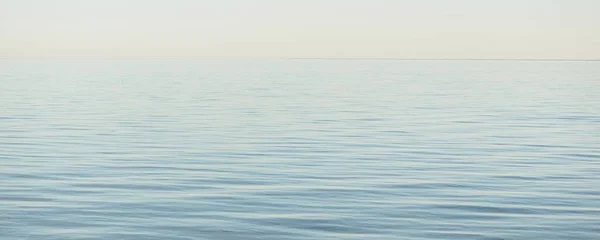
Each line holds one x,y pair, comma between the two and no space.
429,29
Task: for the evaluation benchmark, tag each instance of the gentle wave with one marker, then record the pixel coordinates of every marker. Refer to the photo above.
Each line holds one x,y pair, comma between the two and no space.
299,149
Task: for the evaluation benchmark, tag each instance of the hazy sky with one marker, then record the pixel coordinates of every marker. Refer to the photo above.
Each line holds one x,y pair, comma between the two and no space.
539,29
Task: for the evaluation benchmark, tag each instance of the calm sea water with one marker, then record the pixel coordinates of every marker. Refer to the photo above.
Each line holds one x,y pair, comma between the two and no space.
135,149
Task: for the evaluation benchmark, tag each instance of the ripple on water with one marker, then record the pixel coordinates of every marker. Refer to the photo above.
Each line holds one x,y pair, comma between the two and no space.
299,149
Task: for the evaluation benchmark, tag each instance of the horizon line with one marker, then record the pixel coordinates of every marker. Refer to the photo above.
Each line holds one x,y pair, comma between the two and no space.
309,58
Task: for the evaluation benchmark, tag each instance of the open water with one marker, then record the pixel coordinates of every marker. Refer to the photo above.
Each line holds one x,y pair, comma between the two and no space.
135,149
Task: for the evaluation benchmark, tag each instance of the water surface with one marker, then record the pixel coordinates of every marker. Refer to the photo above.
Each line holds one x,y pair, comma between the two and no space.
299,149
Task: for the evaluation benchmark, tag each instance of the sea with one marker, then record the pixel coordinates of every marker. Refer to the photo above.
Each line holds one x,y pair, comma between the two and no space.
186,149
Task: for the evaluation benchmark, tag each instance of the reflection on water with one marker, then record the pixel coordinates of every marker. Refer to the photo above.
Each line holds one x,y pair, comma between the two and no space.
299,149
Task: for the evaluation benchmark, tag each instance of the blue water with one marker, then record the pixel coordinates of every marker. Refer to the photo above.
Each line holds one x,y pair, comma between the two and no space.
134,149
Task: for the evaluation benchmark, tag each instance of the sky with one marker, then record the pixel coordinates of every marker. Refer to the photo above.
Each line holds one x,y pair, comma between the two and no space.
407,29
